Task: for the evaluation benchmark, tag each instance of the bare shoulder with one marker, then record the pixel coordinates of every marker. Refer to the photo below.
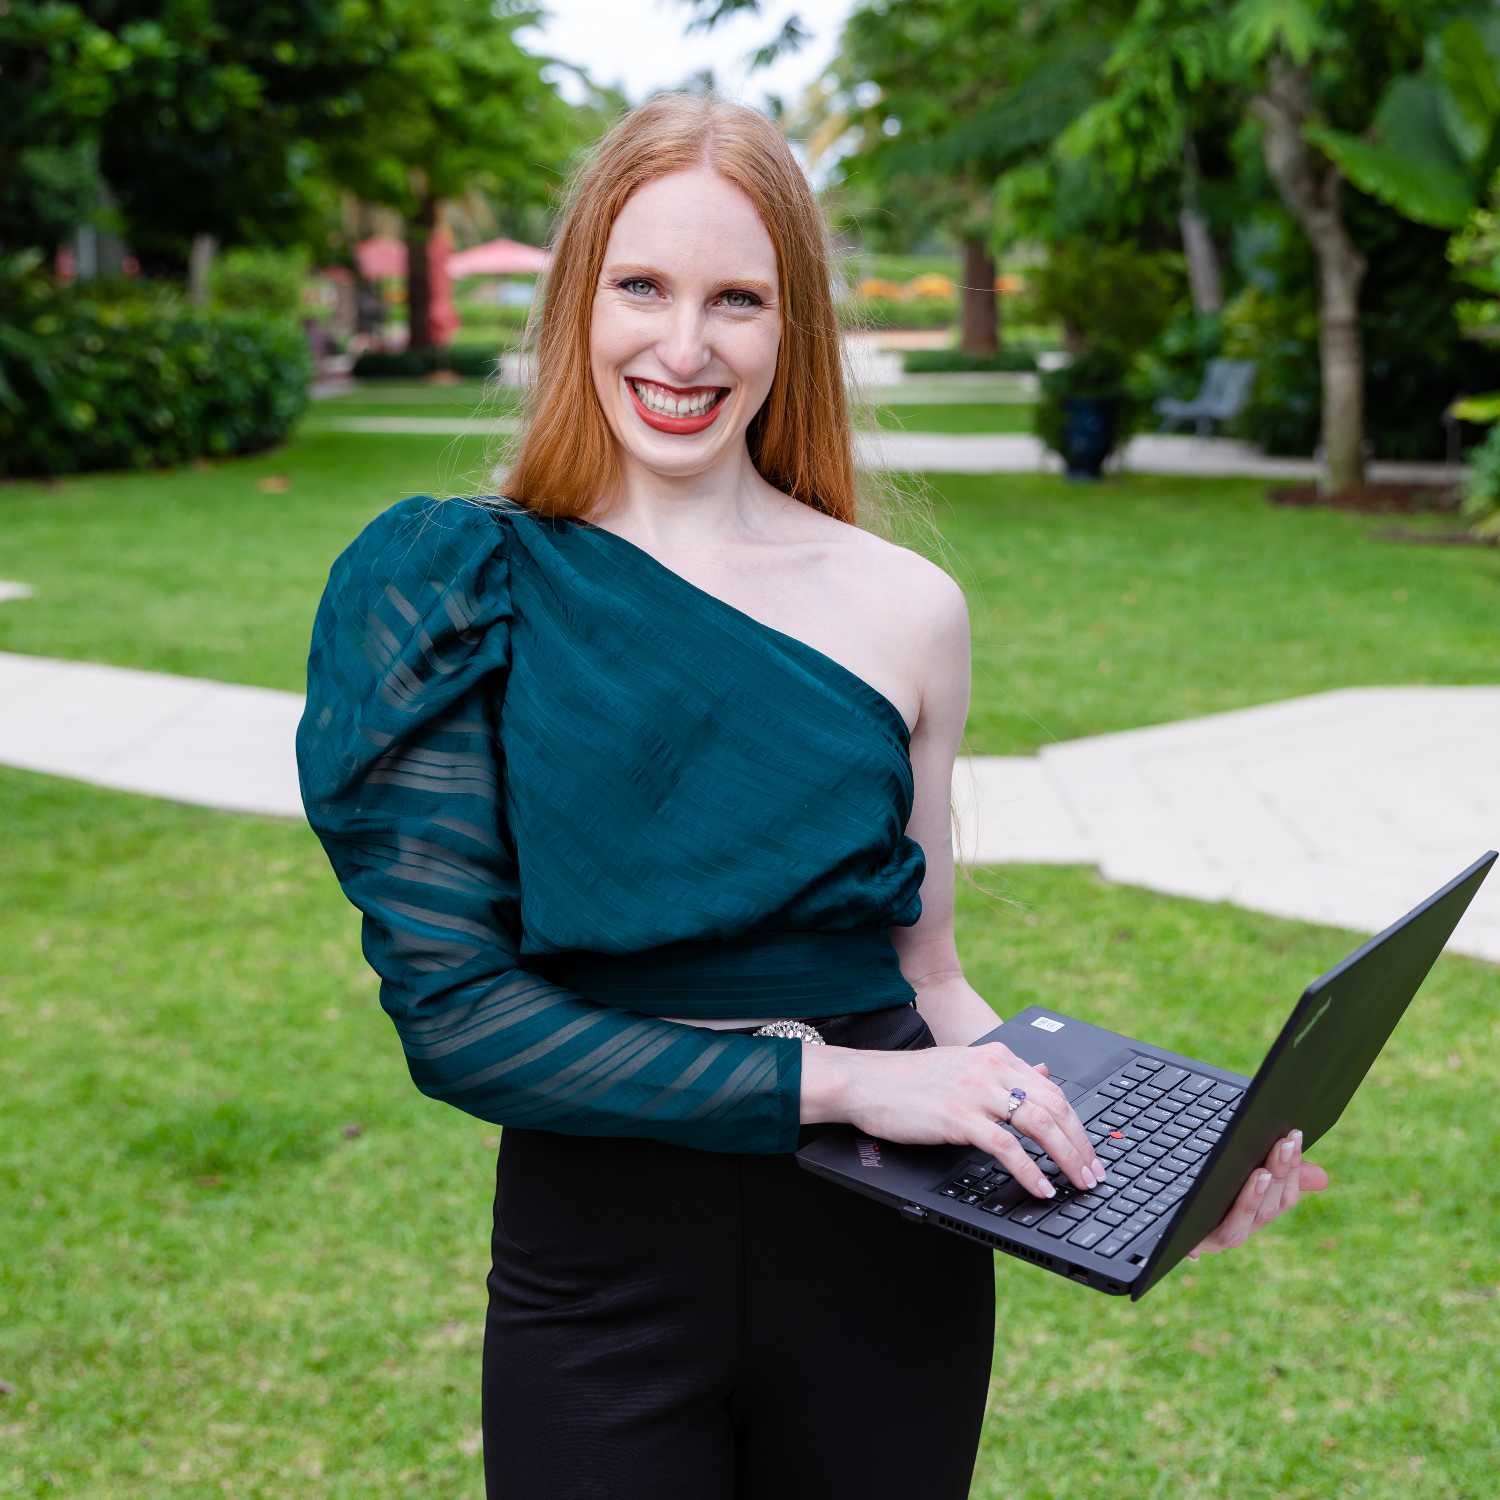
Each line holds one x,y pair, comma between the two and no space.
932,602
917,617
929,595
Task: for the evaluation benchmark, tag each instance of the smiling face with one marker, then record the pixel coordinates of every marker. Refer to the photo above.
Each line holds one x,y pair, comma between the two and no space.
686,323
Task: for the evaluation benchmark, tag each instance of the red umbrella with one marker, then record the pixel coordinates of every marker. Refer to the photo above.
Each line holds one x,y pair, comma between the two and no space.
499,258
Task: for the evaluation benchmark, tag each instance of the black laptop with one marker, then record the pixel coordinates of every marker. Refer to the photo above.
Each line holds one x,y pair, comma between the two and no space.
1178,1136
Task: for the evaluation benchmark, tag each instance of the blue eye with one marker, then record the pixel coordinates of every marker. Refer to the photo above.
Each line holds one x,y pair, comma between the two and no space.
625,282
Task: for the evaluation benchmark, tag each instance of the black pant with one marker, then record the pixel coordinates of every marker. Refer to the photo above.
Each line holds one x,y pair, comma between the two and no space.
668,1321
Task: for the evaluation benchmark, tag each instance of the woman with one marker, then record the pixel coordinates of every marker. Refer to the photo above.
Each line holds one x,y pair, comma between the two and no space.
639,775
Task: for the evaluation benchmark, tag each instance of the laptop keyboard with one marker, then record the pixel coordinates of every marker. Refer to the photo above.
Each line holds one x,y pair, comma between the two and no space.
1150,1123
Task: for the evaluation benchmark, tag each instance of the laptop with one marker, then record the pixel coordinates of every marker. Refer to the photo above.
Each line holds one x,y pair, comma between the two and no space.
1178,1136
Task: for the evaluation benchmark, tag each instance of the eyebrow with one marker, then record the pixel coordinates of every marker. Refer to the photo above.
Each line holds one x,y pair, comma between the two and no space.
749,283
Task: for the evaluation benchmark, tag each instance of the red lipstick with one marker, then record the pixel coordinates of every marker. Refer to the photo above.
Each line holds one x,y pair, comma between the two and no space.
680,425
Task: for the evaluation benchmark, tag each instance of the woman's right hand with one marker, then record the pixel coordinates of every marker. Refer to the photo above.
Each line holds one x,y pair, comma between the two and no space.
952,1095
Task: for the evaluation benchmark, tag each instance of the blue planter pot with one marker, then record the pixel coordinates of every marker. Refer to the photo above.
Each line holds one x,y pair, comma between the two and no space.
1088,434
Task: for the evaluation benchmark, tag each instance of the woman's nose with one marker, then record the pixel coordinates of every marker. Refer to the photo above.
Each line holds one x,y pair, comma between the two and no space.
684,349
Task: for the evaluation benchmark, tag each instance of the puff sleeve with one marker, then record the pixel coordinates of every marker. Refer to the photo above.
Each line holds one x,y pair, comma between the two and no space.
400,764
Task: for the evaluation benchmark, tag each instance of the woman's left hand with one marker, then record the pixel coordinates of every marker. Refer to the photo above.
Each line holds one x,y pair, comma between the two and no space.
1286,1178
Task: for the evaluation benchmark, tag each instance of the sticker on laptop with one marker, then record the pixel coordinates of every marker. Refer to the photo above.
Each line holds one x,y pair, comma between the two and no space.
1047,1024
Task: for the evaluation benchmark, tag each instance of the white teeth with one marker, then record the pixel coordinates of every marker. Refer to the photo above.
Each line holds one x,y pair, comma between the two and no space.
673,406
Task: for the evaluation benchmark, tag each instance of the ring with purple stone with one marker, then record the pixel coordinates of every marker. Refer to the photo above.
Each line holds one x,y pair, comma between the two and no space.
1016,1100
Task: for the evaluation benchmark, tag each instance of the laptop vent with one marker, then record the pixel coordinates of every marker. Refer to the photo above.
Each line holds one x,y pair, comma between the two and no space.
993,1239
1021,1250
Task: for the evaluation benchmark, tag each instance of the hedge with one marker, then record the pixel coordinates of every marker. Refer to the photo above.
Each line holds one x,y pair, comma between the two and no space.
140,383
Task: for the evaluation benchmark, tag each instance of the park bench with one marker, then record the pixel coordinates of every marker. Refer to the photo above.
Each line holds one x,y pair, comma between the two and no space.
1225,389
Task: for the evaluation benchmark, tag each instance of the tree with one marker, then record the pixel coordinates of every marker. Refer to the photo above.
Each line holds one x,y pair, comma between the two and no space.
459,106
57,78
942,109
213,117
1297,66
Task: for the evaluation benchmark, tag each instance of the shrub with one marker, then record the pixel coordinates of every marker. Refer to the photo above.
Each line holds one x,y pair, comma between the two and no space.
412,364
1481,503
269,282
930,361
1106,294
1280,333
89,380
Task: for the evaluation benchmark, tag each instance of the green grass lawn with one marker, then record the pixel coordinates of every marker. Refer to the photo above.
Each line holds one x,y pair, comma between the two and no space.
244,1257
955,418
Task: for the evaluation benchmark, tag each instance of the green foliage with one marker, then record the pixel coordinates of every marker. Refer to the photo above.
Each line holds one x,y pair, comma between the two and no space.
1416,169
903,267
57,72
501,315
888,312
1278,329
1415,358
936,100
930,361
1435,138
1481,503
1474,253
406,364
140,381
262,281
1485,408
1114,295
1174,364
1257,27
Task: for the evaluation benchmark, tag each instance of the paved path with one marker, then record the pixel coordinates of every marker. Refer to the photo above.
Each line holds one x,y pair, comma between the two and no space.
980,453
1346,808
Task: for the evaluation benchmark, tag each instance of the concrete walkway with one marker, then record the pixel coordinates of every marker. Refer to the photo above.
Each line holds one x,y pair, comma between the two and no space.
983,453
1346,808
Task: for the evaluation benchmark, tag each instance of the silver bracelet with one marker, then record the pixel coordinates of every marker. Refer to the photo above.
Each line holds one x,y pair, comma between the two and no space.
797,1029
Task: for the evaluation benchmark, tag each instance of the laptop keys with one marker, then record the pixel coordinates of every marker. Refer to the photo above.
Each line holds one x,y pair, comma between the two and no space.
1031,1213
1088,1235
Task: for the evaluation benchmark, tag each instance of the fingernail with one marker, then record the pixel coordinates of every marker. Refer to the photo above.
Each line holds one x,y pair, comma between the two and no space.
1089,1180
1287,1147
1101,1170
1048,1191
1262,1181
1297,1136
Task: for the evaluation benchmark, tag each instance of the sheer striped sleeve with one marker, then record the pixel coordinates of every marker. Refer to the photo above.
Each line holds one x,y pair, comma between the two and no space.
399,760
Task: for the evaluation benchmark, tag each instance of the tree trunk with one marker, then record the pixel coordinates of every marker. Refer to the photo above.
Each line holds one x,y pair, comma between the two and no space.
1198,246
1341,357
200,263
1309,186
418,284
980,326
1202,262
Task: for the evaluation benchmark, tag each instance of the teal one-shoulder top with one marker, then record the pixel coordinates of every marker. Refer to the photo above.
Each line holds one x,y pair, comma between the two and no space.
571,793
